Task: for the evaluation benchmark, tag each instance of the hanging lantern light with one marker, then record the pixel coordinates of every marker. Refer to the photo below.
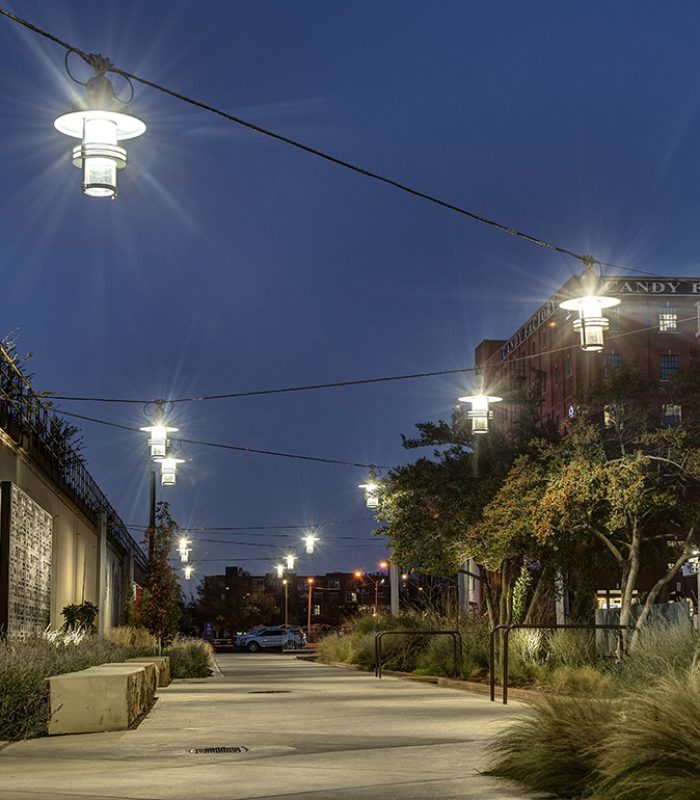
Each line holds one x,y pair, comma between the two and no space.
290,559
183,547
371,489
168,469
591,324
188,572
100,122
310,541
158,440
279,568
480,413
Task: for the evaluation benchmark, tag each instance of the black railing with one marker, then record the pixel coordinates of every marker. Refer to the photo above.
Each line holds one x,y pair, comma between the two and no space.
456,648
506,634
34,427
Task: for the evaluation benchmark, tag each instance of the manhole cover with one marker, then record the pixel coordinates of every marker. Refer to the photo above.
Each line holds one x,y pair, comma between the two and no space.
270,691
216,750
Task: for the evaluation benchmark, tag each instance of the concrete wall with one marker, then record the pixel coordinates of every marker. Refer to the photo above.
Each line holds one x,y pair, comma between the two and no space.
76,551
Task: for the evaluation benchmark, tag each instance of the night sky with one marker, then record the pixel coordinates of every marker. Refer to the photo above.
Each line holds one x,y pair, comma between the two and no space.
232,262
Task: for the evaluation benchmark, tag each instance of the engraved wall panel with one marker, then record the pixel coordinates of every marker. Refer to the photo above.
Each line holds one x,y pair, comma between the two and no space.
29,531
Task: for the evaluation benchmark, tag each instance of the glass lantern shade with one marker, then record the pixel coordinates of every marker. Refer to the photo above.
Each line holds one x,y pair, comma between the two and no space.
591,324
310,542
168,470
480,414
371,494
158,441
99,154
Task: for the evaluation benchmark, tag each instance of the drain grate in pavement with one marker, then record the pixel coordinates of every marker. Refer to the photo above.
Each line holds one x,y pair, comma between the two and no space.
216,750
270,691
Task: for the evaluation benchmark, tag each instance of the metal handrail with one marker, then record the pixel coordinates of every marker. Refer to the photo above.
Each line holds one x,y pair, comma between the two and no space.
456,637
30,423
508,628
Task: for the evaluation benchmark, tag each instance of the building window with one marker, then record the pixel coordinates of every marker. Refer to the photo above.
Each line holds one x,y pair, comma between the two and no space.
670,364
555,375
333,584
568,365
350,597
613,314
612,363
668,320
670,416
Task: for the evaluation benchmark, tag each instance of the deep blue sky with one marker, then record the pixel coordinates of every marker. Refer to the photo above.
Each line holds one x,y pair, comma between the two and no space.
231,262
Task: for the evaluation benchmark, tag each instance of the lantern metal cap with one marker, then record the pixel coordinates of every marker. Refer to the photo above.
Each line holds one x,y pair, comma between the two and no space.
100,103
576,303
472,397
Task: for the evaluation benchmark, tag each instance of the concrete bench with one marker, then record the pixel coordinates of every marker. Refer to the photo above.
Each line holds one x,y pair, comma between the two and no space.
162,664
148,685
106,698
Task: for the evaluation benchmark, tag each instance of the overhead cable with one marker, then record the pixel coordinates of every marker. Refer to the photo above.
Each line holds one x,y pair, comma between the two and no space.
220,446
130,76
284,390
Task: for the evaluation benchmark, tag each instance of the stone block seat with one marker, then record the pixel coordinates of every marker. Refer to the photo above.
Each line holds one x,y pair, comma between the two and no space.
162,664
105,698
148,684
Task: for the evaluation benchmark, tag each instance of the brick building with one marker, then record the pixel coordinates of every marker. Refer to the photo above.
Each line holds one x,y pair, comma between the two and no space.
655,328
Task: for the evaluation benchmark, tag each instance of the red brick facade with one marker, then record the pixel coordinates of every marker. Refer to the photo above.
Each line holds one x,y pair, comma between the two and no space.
655,328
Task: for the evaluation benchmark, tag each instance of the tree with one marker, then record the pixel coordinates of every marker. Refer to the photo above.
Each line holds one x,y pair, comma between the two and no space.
431,507
640,500
160,608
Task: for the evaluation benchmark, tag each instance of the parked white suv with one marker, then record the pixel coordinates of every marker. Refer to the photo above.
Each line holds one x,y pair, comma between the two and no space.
270,638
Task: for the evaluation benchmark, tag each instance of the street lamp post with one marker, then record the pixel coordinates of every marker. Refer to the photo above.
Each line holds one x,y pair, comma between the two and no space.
285,583
310,584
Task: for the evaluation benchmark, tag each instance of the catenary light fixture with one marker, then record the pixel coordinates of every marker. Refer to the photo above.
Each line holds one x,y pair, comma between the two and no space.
168,469
158,441
480,413
371,489
591,324
310,541
279,568
290,559
100,121
188,572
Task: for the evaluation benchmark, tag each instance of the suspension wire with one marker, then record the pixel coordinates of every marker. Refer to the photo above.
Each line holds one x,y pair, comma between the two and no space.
263,527
220,446
283,390
130,76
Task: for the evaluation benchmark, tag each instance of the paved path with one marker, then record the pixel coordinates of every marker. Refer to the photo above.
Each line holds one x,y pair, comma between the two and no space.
312,732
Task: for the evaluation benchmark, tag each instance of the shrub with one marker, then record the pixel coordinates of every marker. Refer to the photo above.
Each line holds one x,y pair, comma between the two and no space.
660,651
653,752
585,681
438,658
571,648
135,637
80,616
335,648
190,658
555,747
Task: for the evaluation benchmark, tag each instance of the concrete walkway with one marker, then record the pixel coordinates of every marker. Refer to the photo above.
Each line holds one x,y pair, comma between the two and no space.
311,732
